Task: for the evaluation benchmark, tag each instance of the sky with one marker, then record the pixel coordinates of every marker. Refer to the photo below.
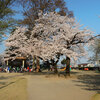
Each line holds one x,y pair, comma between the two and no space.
86,12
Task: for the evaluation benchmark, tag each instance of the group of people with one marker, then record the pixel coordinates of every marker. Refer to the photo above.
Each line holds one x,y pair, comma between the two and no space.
9,69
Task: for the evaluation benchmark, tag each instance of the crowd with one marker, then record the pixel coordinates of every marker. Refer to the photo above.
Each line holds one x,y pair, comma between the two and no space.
10,69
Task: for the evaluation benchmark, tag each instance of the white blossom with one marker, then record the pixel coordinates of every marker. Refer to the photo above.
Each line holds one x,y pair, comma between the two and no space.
51,34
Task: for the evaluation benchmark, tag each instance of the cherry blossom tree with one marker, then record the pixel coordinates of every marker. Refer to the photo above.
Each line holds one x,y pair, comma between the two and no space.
15,43
52,36
59,35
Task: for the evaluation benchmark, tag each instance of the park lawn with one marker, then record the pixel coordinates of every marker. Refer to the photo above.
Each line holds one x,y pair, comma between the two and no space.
96,97
13,87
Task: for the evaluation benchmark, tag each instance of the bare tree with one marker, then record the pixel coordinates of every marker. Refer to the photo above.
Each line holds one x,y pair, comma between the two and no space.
31,9
95,49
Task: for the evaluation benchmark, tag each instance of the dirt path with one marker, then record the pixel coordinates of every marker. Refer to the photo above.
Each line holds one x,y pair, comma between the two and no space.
42,88
13,86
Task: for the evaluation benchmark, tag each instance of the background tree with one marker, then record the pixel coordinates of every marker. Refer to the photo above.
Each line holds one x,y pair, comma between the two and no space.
63,62
31,9
5,9
95,49
6,22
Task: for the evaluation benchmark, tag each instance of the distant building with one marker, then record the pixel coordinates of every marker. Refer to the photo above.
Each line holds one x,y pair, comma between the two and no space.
18,62
83,65
86,65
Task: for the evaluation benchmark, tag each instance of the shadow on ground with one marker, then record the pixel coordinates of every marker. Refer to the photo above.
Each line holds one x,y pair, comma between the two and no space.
8,77
90,82
37,73
7,80
51,74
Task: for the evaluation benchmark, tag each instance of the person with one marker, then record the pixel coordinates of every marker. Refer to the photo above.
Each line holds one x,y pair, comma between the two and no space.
17,69
8,69
25,69
14,70
28,68
21,69
5,69
70,67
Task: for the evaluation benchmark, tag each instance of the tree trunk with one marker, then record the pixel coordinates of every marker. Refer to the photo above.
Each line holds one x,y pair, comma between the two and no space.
33,62
55,69
54,64
68,66
37,64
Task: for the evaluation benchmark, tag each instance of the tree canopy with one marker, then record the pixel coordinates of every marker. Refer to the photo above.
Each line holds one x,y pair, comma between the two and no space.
95,49
5,9
52,35
31,9
5,16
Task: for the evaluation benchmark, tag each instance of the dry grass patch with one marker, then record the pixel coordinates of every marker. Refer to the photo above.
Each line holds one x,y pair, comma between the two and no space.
96,97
